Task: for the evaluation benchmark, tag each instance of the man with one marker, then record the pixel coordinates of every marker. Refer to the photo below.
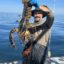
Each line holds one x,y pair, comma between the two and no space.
41,31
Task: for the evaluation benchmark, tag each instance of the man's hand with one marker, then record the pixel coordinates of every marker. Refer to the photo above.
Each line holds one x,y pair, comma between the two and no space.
25,1
44,8
27,51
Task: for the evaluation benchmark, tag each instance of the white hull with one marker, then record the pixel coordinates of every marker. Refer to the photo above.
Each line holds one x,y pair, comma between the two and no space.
59,60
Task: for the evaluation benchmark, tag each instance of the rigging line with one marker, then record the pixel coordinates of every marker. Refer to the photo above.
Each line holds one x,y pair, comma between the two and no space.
54,11
54,5
49,48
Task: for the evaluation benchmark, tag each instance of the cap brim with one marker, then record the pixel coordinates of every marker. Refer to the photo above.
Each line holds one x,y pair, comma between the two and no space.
44,13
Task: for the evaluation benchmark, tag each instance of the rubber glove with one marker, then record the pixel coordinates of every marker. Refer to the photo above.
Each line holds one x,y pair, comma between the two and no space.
36,3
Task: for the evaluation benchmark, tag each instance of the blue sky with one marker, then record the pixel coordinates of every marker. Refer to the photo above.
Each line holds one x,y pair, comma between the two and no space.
17,6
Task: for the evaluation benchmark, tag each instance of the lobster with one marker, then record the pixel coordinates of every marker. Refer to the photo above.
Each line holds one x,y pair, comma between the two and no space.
24,24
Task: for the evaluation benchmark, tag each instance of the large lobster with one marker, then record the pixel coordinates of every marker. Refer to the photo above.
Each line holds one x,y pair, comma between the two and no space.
22,30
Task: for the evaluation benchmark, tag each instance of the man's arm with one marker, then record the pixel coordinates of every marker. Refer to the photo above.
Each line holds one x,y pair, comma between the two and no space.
49,18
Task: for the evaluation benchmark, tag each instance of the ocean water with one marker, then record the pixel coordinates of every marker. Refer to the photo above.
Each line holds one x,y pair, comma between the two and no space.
8,21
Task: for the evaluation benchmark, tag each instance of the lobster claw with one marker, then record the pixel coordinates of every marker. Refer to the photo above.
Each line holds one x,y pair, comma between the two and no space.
11,39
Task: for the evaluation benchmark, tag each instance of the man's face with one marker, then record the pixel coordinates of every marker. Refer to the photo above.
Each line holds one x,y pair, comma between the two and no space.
38,16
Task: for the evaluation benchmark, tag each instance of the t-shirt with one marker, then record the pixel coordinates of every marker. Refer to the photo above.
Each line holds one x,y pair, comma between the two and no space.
35,2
